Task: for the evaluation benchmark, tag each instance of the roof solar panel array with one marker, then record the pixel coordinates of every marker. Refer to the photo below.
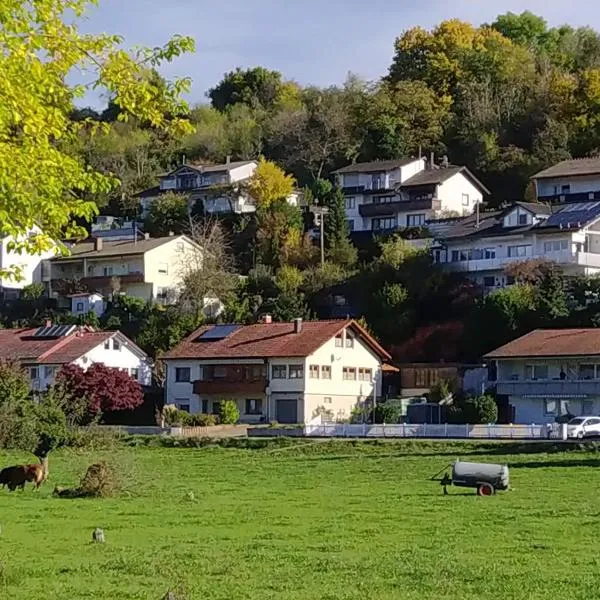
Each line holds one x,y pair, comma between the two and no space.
219,332
54,331
573,215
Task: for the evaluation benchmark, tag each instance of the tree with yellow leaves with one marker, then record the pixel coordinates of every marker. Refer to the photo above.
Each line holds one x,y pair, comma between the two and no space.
270,183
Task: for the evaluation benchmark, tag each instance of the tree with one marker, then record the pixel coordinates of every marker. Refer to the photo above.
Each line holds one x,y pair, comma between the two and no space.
525,29
14,384
274,227
106,389
168,213
40,46
270,183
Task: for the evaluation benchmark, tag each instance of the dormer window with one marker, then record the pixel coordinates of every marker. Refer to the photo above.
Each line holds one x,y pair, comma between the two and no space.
523,219
187,181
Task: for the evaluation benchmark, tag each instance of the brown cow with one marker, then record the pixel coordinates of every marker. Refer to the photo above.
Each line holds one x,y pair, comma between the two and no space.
17,476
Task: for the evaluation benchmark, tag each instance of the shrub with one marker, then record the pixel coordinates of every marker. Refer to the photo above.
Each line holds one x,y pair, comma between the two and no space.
14,383
388,413
99,481
203,420
176,418
473,410
228,412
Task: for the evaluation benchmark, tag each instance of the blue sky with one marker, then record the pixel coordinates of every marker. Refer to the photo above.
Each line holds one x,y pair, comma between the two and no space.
310,41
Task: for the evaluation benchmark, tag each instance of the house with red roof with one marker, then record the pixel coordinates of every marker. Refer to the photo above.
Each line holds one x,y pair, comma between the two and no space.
42,351
291,372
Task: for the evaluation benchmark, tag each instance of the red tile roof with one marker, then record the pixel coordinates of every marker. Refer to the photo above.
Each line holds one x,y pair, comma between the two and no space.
19,344
270,340
551,342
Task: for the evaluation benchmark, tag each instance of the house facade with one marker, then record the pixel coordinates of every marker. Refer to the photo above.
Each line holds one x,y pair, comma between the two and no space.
44,350
395,194
549,373
483,245
150,269
285,372
576,180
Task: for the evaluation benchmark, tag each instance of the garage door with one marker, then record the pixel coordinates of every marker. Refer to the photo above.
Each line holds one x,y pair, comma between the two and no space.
287,410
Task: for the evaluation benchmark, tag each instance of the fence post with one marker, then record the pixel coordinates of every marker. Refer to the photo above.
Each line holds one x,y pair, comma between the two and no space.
424,429
344,430
445,430
467,430
364,429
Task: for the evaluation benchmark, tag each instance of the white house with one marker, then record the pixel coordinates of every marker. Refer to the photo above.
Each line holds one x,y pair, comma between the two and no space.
394,194
220,188
285,372
484,244
44,350
576,180
549,373
29,266
84,303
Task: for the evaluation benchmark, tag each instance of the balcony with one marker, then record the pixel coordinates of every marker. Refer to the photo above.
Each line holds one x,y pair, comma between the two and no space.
392,208
570,388
229,386
574,197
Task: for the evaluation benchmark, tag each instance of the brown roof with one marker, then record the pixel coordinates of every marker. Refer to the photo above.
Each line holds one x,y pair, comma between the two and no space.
115,248
571,168
21,345
551,342
270,340
437,176
376,166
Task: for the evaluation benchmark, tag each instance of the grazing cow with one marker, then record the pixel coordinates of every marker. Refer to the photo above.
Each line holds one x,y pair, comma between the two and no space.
17,476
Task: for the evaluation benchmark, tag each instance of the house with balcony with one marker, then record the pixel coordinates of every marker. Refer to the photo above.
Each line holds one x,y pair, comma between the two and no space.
42,351
549,373
576,180
219,189
150,269
484,244
395,194
286,372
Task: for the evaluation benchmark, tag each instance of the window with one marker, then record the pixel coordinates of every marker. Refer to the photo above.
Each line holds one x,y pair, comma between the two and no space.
587,372
455,256
523,219
49,372
187,182
182,374
163,268
219,372
279,372
108,271
349,341
34,373
183,404
415,220
349,373
489,253
550,408
510,280
518,251
116,344
465,199
383,199
180,247
253,407
365,374
350,223
107,345
79,307
204,406
134,373
296,371
339,342
556,246
325,372
489,281
326,400
313,371
565,189
383,223
536,372
350,203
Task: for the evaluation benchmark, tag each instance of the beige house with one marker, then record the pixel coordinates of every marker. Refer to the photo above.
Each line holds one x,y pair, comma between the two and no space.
287,372
150,269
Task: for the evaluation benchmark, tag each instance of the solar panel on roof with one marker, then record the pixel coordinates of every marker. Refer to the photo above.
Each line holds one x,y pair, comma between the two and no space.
54,331
219,332
573,215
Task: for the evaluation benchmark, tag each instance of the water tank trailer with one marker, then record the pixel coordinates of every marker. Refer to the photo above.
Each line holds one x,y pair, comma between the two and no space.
485,478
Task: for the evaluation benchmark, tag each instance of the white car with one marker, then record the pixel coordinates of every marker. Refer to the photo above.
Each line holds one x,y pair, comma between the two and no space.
581,427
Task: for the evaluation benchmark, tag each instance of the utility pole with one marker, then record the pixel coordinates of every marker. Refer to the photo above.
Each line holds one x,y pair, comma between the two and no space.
319,213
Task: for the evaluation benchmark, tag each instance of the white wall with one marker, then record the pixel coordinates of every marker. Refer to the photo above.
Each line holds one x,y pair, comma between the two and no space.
411,169
92,303
450,193
579,185
242,173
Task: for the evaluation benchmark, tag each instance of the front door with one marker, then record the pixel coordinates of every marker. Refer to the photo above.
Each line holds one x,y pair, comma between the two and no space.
287,410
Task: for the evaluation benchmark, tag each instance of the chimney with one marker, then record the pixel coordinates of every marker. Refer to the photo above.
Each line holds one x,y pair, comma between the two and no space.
183,160
267,319
146,236
432,161
98,243
297,325
171,233
48,323
228,159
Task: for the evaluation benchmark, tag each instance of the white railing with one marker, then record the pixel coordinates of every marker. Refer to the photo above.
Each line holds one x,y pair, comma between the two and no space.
425,430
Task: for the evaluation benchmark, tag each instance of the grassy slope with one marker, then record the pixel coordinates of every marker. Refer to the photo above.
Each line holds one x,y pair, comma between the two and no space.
336,523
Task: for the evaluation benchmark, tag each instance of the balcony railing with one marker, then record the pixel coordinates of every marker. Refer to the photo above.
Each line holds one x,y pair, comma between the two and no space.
548,388
574,197
229,386
392,208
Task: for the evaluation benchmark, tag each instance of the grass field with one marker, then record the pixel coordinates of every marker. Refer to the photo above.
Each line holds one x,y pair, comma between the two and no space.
329,521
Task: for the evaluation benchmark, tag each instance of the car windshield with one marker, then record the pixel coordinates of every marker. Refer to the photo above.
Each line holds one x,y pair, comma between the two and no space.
576,421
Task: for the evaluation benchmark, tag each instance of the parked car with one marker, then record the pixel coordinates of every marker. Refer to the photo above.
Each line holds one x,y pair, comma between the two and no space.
581,427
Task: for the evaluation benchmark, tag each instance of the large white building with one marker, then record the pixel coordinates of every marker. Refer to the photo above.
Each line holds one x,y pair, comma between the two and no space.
394,194
44,350
483,245
219,188
576,180
286,372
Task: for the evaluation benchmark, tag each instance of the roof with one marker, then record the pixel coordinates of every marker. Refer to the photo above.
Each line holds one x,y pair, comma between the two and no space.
376,166
551,342
19,344
270,340
537,208
87,249
571,168
439,175
223,168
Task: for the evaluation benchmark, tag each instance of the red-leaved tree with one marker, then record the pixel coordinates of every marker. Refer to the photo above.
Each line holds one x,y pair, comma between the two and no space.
106,389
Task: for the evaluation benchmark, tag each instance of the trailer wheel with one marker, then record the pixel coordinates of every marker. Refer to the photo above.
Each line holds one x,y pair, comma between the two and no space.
485,489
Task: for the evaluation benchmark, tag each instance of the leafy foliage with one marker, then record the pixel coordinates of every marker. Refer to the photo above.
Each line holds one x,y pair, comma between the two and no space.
167,214
229,413
270,183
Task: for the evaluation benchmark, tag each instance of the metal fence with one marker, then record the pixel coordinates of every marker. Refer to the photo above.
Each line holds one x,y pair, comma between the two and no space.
425,430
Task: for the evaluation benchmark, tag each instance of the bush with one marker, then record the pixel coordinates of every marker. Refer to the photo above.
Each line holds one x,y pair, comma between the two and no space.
388,413
99,481
203,420
228,412
474,410
176,418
